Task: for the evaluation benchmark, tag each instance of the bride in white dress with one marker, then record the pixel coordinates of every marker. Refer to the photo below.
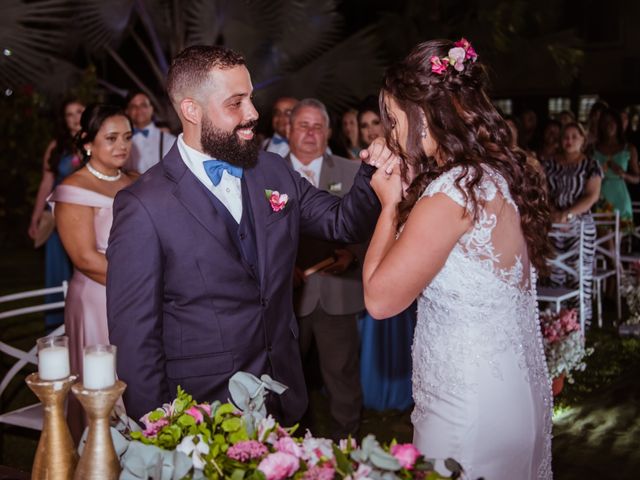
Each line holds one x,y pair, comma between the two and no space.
463,227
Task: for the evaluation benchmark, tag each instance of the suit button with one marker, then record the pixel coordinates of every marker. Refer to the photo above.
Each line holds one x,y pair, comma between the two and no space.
264,301
269,349
242,236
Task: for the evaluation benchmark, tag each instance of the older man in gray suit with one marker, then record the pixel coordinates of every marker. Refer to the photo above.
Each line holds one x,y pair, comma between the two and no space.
329,277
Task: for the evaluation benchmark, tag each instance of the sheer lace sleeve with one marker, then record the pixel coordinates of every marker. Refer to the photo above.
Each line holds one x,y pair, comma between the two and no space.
491,184
445,183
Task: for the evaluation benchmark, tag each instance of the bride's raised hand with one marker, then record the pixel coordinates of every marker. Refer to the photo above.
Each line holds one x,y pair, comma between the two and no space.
387,182
377,153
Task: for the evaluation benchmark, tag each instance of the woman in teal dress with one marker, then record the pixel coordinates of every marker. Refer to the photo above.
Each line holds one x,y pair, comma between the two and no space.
619,162
60,160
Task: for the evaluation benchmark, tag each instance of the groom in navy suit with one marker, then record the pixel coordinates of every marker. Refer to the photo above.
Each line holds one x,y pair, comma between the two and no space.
203,246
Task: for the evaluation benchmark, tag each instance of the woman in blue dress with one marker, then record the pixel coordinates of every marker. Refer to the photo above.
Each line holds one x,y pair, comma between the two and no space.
60,160
385,357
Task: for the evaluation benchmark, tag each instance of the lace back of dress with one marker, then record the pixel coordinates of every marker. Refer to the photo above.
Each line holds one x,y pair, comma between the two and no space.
496,239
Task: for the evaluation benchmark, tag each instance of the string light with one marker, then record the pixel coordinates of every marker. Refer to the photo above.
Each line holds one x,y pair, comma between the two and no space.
8,92
7,53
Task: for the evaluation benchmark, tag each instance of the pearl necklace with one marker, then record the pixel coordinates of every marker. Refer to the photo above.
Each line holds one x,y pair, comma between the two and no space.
102,176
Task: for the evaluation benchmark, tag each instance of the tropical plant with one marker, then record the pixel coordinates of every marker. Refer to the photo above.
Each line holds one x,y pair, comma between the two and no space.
292,47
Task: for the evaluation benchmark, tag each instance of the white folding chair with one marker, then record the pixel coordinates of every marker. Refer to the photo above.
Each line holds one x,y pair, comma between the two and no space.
635,233
607,261
31,415
562,261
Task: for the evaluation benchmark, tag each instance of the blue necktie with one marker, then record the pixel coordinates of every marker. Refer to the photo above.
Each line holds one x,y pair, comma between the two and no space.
277,140
214,169
143,131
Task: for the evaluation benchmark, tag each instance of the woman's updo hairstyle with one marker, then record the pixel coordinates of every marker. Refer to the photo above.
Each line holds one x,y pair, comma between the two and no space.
91,121
442,83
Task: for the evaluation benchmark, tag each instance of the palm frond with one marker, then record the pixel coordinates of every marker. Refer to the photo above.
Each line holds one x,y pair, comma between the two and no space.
101,24
339,76
30,33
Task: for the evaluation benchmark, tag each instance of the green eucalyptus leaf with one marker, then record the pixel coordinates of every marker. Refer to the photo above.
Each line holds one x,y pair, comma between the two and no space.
238,474
224,410
157,414
186,421
359,456
238,436
232,424
383,460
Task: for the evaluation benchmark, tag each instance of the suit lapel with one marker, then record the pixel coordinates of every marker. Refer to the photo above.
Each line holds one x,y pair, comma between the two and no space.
326,172
194,197
261,210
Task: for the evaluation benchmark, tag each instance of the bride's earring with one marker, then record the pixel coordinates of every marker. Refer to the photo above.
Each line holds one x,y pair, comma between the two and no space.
88,152
423,133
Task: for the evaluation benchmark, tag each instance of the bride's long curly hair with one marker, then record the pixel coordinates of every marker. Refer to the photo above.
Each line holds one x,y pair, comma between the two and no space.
469,133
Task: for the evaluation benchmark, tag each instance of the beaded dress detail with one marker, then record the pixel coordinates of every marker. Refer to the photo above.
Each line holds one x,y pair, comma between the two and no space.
480,381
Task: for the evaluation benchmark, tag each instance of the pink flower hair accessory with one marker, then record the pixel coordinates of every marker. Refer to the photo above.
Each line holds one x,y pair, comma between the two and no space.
457,57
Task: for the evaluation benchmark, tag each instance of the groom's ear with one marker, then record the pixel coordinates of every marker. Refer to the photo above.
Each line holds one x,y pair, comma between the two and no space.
191,111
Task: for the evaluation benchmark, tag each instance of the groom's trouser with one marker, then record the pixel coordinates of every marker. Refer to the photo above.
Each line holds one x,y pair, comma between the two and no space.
338,347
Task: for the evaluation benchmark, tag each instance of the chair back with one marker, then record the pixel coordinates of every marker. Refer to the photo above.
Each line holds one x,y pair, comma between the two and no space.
22,357
607,242
570,235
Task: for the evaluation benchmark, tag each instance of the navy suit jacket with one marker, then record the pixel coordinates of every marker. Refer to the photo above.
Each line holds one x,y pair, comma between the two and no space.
184,307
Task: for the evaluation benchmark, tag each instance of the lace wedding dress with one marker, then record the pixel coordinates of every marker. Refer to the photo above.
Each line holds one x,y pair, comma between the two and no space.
480,382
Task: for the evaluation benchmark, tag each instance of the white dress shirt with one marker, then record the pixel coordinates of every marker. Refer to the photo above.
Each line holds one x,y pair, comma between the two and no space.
282,148
228,191
145,151
311,172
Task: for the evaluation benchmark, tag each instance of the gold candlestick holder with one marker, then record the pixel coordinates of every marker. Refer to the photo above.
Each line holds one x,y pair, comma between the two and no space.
98,460
56,455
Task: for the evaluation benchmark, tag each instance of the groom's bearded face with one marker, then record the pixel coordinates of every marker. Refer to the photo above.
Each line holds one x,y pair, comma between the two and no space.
228,146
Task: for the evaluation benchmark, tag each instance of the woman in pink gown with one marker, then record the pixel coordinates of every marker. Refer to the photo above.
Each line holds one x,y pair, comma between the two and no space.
83,211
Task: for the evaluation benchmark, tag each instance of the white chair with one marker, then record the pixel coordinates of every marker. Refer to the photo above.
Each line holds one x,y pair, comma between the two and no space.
607,262
559,295
635,233
29,416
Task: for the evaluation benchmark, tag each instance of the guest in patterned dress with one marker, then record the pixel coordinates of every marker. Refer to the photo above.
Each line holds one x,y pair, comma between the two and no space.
574,181
619,162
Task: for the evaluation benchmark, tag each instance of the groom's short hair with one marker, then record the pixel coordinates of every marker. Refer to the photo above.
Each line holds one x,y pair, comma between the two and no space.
190,69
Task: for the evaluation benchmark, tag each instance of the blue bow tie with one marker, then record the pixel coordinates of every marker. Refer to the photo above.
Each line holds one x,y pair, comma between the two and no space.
143,131
214,169
277,140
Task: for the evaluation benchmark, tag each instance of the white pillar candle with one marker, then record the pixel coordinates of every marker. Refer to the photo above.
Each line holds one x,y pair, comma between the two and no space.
53,363
99,367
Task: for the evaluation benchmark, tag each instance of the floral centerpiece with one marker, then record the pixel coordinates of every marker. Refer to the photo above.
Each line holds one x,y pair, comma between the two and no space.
563,343
191,440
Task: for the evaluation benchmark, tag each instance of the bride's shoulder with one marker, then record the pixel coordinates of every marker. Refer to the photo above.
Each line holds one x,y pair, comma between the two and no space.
457,181
448,184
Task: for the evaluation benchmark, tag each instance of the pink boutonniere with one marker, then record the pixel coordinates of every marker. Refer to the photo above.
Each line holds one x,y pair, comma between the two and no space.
276,199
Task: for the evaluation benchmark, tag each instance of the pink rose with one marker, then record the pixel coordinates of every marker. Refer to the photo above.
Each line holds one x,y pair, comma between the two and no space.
288,445
279,465
278,200
406,454
152,428
457,56
206,408
325,472
466,45
438,65
196,414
